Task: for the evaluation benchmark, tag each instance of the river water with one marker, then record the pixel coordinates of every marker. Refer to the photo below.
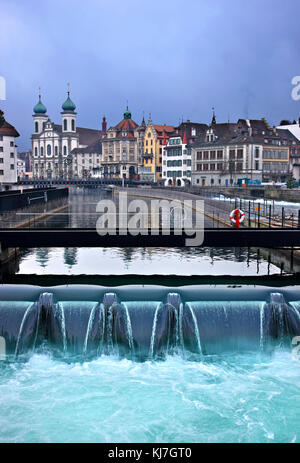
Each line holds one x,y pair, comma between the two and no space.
235,398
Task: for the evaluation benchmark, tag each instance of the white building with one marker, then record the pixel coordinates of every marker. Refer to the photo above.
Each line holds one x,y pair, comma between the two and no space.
53,144
8,154
176,162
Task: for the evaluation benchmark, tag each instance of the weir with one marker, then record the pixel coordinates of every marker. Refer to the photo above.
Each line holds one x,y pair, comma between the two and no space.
147,322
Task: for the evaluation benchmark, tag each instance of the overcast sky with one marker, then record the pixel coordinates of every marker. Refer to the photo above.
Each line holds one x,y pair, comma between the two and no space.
172,59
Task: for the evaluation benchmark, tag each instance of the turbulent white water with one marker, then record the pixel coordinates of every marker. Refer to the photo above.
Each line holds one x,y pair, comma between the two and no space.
245,398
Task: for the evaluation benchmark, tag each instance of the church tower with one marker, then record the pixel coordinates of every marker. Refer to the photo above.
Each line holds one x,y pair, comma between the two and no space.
39,116
68,115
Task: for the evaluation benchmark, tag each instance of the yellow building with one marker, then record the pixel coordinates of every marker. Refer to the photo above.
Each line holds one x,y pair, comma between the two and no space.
155,137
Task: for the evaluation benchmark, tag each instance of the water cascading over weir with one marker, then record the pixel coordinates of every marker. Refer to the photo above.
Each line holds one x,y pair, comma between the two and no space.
146,322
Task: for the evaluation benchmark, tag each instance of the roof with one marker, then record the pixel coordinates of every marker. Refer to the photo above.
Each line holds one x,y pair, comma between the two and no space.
164,131
95,147
246,131
86,136
126,124
7,129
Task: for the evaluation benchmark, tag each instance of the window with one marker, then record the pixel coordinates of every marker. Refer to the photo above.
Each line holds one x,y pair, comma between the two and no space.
205,155
42,151
56,151
65,150
49,150
1,172
65,124
1,161
199,155
12,167
231,154
199,167
35,151
1,149
73,125
36,125
257,152
12,155
12,143
212,155
240,154
219,154
212,167
256,165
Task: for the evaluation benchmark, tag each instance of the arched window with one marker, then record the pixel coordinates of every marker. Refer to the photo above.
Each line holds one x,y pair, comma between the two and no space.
73,125
42,151
36,126
35,151
65,124
65,151
56,151
49,150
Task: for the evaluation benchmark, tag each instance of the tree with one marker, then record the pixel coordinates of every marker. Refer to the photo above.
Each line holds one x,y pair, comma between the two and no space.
291,181
285,122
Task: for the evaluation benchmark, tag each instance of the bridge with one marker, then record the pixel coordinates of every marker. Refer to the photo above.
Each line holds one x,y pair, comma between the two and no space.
87,237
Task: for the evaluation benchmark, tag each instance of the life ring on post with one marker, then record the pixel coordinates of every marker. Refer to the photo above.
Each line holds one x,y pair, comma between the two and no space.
237,216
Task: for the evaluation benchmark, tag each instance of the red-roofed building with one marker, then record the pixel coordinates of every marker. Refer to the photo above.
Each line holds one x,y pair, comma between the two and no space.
156,136
121,148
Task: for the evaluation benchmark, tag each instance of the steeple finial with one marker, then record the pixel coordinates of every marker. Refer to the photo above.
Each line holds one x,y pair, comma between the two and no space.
213,121
68,87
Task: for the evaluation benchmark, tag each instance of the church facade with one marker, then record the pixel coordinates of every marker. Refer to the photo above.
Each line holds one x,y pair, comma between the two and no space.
64,151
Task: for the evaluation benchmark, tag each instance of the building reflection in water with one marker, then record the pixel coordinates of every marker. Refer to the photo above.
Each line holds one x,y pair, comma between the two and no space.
70,257
42,256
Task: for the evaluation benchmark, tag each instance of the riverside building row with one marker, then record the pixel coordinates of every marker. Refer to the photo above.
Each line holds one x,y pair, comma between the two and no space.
225,154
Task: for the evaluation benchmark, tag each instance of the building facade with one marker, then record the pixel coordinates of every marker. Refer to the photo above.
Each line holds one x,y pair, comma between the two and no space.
8,154
292,132
156,137
177,162
53,144
121,148
248,151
